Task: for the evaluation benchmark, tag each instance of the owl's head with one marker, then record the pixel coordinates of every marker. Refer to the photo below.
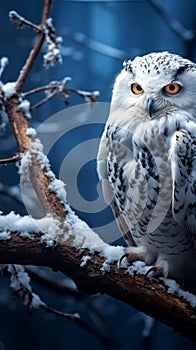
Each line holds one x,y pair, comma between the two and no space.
156,82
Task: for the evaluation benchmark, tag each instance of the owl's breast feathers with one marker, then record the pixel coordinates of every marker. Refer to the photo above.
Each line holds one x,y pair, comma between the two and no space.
150,174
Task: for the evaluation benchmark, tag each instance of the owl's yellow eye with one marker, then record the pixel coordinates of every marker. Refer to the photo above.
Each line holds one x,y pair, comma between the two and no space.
136,89
172,88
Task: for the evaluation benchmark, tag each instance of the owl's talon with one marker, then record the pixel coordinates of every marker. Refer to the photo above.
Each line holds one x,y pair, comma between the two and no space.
158,271
122,257
152,268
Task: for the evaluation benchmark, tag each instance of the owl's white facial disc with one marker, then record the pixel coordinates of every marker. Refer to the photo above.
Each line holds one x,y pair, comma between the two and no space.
167,80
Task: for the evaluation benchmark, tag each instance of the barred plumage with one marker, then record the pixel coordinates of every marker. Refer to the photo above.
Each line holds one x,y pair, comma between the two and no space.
147,163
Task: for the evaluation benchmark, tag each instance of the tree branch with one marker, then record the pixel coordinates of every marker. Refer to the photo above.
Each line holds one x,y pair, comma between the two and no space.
150,297
14,159
38,44
20,283
21,21
39,178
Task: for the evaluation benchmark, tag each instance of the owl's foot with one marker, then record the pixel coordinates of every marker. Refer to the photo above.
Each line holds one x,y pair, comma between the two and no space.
136,253
155,271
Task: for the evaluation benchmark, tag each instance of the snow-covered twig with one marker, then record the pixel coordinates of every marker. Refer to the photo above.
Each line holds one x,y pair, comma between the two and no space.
3,64
20,282
60,87
52,55
21,21
88,96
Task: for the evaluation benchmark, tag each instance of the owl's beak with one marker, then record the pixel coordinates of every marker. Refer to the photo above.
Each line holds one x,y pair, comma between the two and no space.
150,106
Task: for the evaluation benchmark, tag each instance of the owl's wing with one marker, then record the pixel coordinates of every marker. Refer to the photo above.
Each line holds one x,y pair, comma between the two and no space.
108,191
183,161
132,180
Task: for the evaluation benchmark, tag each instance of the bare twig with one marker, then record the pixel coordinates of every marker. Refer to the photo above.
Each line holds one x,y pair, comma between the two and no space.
39,89
69,317
46,99
33,54
15,158
46,10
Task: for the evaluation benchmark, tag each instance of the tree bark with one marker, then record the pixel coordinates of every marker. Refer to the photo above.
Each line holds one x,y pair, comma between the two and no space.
150,297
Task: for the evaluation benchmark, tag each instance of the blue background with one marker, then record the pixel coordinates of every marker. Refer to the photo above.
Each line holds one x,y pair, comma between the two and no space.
97,37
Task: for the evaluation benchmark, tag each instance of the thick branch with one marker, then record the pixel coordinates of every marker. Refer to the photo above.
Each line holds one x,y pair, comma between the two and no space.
39,178
150,297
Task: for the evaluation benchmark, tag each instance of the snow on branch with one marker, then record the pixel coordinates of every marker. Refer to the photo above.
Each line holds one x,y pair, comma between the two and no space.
3,64
53,55
97,271
77,234
59,239
60,87
22,22
20,282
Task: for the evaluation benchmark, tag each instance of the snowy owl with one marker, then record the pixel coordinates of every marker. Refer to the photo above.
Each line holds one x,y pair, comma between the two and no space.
147,163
